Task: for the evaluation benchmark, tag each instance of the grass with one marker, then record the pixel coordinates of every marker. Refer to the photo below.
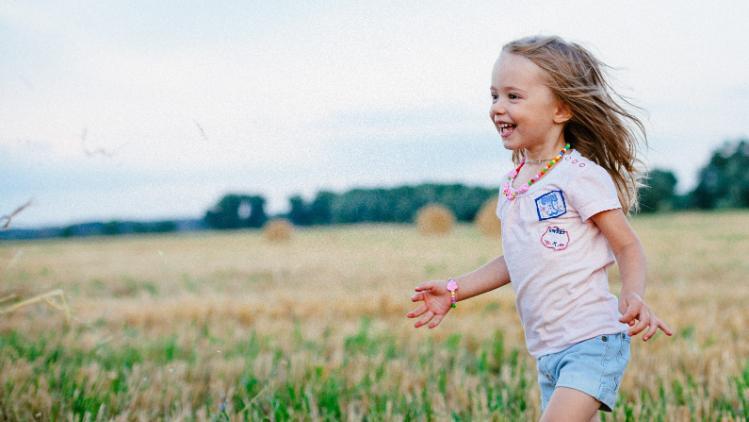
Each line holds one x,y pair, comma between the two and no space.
227,326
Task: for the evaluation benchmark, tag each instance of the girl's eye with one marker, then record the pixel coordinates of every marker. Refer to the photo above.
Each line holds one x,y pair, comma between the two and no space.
510,96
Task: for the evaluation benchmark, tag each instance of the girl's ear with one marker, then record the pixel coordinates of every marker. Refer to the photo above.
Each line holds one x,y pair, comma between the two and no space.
562,112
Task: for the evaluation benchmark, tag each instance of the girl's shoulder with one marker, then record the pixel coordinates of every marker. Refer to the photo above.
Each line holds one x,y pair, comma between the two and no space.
590,187
583,166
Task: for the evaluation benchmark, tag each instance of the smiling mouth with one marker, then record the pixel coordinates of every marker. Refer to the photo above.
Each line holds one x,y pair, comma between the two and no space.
506,129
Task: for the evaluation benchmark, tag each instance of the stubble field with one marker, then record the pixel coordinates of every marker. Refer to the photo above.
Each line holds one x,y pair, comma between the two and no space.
225,325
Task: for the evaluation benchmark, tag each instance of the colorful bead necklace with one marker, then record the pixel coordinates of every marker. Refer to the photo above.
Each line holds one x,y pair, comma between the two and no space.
511,192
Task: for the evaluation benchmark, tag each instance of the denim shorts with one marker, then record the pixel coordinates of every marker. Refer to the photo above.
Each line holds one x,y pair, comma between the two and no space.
594,366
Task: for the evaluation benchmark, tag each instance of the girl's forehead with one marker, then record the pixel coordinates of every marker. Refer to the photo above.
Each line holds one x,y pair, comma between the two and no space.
516,71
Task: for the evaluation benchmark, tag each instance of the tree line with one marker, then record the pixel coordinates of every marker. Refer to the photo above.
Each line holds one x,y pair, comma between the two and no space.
722,183
393,205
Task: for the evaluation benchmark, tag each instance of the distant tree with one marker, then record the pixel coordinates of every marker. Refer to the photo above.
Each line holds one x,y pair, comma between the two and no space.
165,226
404,206
299,212
659,194
237,211
321,208
257,212
111,228
724,181
683,202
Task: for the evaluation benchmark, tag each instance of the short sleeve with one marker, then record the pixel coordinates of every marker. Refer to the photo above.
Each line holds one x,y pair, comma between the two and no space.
592,191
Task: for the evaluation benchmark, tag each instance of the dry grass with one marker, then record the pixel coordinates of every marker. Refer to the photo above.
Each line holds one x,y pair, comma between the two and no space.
54,298
164,325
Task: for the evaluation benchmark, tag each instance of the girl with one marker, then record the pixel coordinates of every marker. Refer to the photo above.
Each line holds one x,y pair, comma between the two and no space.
563,224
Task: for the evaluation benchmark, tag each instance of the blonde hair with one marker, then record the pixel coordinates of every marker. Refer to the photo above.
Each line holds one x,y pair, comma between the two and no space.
600,128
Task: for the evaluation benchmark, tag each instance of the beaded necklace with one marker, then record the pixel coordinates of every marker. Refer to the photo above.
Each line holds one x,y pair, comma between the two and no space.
511,193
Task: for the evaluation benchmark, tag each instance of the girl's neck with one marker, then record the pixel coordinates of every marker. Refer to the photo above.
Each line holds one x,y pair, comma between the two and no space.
544,152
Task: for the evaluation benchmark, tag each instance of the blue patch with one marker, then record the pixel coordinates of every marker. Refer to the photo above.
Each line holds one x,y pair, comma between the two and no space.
550,205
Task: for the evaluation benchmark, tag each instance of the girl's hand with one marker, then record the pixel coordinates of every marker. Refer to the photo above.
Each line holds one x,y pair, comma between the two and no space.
436,304
636,313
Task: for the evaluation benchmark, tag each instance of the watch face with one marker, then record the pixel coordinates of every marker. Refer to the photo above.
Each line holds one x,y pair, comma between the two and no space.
452,285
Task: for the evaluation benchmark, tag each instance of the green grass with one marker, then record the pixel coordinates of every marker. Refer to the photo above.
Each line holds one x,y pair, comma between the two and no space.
322,389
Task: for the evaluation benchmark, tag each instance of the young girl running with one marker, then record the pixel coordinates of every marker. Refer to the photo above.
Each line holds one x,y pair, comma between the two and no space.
562,211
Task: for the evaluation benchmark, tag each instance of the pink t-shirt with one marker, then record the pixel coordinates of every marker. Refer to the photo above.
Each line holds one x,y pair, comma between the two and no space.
558,258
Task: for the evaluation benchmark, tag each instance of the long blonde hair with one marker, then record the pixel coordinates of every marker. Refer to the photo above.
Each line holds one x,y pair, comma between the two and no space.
600,128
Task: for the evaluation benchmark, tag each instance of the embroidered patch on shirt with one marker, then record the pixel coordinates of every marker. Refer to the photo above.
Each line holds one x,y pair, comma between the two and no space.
555,238
550,205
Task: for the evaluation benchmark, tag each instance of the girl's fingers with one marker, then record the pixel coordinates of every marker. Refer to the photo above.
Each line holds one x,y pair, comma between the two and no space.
630,315
644,322
665,328
418,311
652,329
417,297
426,319
437,320
424,287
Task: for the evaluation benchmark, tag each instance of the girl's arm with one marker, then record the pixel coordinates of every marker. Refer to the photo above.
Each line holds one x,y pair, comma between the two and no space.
630,257
436,297
490,276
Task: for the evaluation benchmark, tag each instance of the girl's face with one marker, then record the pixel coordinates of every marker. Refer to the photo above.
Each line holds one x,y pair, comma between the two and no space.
521,98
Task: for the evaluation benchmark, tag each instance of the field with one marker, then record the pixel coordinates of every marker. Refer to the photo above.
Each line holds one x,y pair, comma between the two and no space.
227,326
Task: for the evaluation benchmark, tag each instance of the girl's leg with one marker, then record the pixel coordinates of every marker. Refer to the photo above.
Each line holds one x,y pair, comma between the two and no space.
568,404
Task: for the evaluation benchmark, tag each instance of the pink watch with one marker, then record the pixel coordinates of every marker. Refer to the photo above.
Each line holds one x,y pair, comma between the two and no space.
452,286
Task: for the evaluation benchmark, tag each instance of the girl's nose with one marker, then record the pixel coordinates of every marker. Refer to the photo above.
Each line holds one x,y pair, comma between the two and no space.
496,109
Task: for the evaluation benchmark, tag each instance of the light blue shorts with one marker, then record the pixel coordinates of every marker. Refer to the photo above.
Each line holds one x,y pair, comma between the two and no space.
594,366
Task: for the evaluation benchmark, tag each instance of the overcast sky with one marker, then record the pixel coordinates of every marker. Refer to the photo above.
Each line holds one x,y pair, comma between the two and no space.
145,110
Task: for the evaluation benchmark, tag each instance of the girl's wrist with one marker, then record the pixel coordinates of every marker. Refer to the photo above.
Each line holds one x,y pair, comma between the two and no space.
631,293
453,287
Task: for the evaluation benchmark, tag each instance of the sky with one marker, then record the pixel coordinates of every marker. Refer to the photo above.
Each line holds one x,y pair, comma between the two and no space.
146,110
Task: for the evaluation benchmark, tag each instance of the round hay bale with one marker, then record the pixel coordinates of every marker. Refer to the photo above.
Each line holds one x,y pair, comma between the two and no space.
487,220
278,230
435,219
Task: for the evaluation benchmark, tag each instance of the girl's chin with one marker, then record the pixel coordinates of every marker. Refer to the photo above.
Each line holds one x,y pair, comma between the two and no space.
510,144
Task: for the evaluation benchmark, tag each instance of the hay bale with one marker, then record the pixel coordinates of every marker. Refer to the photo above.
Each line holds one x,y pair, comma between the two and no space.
278,230
435,219
487,220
